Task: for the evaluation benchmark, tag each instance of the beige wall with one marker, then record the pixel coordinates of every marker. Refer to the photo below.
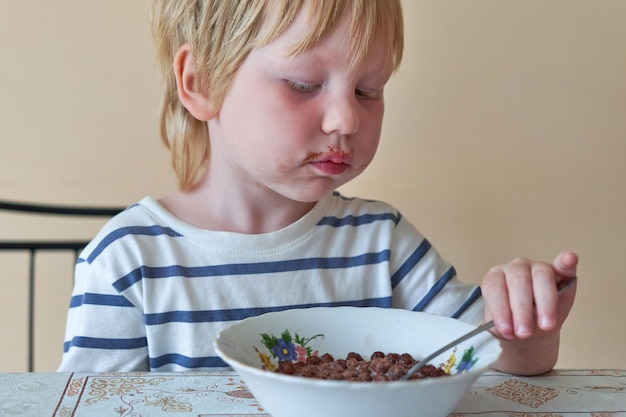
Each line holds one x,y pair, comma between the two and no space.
505,136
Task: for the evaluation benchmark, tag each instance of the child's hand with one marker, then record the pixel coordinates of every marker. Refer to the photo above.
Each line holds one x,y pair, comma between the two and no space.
521,296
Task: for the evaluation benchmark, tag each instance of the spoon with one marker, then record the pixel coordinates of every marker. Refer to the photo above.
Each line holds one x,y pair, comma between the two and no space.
561,287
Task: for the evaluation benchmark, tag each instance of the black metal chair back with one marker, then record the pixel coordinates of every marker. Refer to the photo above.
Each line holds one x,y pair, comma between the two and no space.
32,247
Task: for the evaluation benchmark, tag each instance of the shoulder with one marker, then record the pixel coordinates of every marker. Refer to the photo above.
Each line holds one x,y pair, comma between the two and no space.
355,207
145,212
138,221
369,223
374,215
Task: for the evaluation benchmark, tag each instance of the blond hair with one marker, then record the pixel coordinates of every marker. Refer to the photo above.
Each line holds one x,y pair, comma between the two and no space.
220,34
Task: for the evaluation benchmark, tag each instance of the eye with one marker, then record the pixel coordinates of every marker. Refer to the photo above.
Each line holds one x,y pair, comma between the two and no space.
369,95
301,87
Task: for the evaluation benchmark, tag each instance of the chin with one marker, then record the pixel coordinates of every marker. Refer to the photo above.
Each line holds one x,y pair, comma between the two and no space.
309,196
310,191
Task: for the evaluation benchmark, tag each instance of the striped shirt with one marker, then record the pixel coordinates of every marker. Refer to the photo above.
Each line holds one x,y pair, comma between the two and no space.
152,292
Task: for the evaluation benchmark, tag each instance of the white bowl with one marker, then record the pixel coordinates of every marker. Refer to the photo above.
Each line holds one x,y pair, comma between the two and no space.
362,330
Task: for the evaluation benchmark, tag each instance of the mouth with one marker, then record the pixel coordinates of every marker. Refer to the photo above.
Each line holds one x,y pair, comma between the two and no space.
331,162
329,167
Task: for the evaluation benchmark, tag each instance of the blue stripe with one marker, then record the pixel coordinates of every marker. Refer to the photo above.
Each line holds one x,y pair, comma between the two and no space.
103,343
186,361
357,220
410,263
132,230
343,197
475,295
100,299
242,313
436,289
146,272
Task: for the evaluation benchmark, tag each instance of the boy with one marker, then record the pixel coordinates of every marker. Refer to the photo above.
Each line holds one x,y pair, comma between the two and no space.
270,106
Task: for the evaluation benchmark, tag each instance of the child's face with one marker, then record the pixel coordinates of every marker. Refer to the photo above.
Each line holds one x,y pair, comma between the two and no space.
300,126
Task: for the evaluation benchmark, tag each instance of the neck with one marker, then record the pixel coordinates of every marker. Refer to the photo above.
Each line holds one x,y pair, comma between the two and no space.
210,207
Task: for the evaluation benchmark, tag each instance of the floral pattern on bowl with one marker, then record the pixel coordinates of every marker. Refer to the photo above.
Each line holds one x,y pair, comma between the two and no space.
295,348
285,348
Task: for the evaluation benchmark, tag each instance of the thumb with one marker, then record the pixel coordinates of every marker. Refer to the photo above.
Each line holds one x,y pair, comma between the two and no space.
565,264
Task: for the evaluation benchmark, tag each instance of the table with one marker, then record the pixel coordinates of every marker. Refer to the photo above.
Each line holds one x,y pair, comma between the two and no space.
596,393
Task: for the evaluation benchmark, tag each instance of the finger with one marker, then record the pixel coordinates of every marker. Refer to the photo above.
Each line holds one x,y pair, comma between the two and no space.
565,266
545,295
519,283
496,298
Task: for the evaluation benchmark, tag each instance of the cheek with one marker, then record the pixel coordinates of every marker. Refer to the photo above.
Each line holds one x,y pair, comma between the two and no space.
371,128
290,115
367,155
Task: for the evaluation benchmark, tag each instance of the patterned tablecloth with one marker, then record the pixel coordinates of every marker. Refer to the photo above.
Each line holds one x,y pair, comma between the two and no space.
597,393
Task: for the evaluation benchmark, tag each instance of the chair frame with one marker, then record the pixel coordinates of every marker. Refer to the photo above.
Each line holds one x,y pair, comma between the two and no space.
34,246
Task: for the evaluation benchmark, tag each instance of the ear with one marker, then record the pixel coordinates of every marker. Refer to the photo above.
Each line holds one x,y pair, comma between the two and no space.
196,101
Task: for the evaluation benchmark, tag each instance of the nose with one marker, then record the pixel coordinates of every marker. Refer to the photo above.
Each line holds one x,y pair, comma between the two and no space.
341,116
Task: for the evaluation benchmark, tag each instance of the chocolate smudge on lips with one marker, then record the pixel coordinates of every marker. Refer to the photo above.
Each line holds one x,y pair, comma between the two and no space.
331,155
332,161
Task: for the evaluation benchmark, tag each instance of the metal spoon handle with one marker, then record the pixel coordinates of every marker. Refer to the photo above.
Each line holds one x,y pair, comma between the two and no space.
452,344
561,287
